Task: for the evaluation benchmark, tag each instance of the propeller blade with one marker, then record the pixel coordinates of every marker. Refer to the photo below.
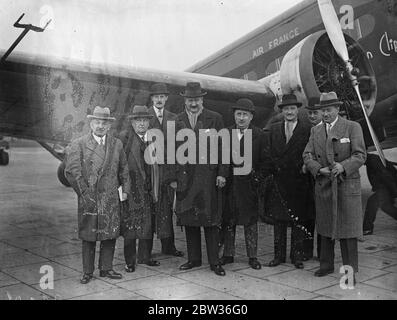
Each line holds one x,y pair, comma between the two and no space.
371,130
334,31
335,34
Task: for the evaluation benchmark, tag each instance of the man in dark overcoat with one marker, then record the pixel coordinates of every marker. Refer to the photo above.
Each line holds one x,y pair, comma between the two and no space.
315,117
199,202
96,167
333,155
289,202
241,205
138,216
163,207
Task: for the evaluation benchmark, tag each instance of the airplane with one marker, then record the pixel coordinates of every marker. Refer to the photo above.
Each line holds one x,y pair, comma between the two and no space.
301,51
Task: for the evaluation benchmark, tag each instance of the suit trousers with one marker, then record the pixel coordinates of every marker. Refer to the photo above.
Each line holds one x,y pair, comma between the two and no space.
280,242
348,249
193,241
145,247
308,243
251,240
106,253
168,244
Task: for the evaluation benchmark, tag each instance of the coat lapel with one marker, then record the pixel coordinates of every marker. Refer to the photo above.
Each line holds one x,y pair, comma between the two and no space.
136,152
154,122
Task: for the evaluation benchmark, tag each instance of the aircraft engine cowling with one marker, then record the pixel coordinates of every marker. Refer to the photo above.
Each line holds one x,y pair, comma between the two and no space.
312,66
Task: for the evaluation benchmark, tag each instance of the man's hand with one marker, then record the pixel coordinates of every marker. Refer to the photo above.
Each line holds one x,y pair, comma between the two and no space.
325,171
220,181
173,184
304,169
337,169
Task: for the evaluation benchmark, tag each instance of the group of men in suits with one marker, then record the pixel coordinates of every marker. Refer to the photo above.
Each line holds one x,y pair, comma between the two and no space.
309,174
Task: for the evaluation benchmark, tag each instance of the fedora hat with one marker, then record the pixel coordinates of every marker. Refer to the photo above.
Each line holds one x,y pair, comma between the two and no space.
159,88
289,100
312,103
328,99
244,104
101,113
193,90
140,112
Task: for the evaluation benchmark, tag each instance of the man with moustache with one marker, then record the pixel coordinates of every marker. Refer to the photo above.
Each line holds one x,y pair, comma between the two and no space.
333,155
96,167
137,221
289,199
241,205
163,207
198,195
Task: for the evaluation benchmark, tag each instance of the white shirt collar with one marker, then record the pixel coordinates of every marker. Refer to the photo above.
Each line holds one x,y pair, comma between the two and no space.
239,134
144,136
158,111
331,125
320,123
293,126
98,139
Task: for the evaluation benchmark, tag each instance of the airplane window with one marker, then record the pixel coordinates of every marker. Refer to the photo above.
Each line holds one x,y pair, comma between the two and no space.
274,66
250,76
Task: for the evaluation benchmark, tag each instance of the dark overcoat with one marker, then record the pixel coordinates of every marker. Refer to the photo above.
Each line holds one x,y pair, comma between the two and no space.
99,206
241,191
163,207
339,212
137,221
288,193
199,200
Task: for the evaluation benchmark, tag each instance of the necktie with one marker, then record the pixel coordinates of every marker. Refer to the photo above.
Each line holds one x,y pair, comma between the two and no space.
328,128
160,116
101,142
288,131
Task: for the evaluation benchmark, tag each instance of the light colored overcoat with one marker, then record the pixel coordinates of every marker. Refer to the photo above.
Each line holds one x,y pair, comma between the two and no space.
339,213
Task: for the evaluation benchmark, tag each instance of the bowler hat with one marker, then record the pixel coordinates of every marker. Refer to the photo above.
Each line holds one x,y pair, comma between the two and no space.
158,88
101,113
140,112
244,104
328,99
289,100
312,103
193,90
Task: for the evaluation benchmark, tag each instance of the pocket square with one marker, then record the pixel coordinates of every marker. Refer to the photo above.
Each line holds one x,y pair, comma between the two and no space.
344,140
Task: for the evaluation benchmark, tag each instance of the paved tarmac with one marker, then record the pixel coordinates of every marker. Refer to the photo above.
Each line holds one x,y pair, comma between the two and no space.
38,228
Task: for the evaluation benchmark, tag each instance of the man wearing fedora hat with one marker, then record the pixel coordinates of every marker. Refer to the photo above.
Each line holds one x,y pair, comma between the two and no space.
138,221
198,195
334,154
289,199
96,167
241,205
315,117
159,120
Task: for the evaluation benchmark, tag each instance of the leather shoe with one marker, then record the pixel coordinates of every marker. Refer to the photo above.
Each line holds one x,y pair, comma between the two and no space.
111,274
152,263
130,268
217,268
177,253
225,260
275,262
368,232
323,272
86,278
254,263
298,264
189,265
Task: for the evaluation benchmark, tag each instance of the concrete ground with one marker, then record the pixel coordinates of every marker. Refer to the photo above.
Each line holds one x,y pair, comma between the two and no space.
38,229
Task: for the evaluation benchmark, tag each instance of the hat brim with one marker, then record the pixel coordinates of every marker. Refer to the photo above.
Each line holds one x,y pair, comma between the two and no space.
146,116
336,104
101,118
158,93
315,107
234,108
282,105
193,96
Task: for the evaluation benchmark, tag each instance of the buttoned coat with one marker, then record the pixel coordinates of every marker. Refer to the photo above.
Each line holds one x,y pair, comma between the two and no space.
289,192
199,200
241,203
137,220
163,207
99,205
339,212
